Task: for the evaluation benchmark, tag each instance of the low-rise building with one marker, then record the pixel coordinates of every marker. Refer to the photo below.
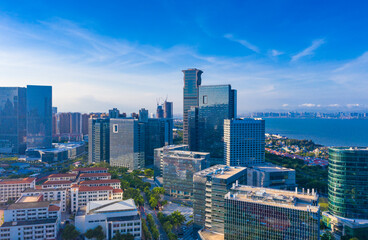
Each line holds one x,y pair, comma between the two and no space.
265,213
49,195
80,196
11,189
114,183
112,215
94,176
90,170
62,177
57,184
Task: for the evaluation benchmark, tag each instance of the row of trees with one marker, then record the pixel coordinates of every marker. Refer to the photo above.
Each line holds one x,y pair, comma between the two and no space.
154,196
153,227
171,222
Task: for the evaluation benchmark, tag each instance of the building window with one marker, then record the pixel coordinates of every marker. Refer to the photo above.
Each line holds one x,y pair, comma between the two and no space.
205,99
115,128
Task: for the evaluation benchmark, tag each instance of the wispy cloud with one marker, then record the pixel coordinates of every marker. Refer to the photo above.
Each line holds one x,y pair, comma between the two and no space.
243,42
275,53
309,105
309,50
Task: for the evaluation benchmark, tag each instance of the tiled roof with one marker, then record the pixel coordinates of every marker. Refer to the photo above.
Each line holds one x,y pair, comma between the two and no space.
17,181
57,182
25,205
63,175
53,208
94,174
90,169
117,190
96,188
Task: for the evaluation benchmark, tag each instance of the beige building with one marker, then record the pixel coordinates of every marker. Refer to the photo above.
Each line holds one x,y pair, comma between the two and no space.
11,189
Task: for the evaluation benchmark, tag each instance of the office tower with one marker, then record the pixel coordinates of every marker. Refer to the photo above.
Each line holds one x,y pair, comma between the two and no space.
143,115
168,109
192,81
264,213
271,176
159,112
39,116
193,131
216,103
114,113
54,125
13,120
127,143
178,170
76,123
347,182
85,118
159,154
54,110
98,140
209,188
158,134
64,123
244,142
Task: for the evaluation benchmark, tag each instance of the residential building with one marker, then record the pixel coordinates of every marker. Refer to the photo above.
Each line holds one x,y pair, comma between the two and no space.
94,176
57,184
62,177
192,81
49,195
159,111
209,188
168,109
178,170
264,213
114,183
127,143
39,116
11,189
244,141
112,215
347,192
89,170
98,140
216,103
85,118
159,154
30,220
271,176
80,196
114,113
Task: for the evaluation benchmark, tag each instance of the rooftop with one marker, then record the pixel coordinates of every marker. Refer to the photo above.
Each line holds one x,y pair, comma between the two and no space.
94,175
186,154
31,190
57,182
110,206
269,167
275,197
117,190
17,180
24,205
207,235
62,175
124,218
25,199
31,222
220,171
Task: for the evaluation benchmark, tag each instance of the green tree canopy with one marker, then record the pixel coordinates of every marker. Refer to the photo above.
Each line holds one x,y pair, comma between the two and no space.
69,232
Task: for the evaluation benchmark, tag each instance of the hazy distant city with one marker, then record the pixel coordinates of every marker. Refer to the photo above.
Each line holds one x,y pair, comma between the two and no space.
172,121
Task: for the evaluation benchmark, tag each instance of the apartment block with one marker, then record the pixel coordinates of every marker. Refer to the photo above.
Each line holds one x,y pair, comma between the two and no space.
112,215
264,213
80,196
49,195
114,183
62,177
89,170
57,184
11,189
94,176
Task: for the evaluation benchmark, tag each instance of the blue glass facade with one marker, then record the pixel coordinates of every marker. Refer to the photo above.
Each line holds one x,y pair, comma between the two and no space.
39,116
98,140
12,120
216,103
192,81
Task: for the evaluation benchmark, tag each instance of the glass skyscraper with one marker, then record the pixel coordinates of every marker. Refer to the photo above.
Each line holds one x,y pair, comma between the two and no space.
216,103
348,182
13,120
192,81
39,116
98,140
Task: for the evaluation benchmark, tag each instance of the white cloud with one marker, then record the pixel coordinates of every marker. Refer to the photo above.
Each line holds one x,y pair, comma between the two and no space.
334,105
243,42
352,105
285,105
307,105
276,53
309,50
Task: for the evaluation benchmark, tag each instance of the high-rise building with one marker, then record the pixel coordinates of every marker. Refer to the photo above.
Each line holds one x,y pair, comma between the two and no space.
76,123
39,116
159,112
55,130
244,141
347,192
114,113
178,170
216,103
85,118
264,213
168,109
127,143
143,115
54,110
209,188
64,123
13,129
159,154
192,81
98,140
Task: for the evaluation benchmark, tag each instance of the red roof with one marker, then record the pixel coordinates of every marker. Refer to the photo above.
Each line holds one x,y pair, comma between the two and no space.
63,175
17,181
117,190
97,188
53,208
90,169
94,174
56,182
100,181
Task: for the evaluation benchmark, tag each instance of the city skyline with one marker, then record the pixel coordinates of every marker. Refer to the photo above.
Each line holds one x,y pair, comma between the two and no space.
304,58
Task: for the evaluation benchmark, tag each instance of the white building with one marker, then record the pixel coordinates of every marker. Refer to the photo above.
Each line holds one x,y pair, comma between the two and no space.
57,184
114,183
113,216
94,176
30,220
244,141
89,170
49,195
80,196
62,177
11,189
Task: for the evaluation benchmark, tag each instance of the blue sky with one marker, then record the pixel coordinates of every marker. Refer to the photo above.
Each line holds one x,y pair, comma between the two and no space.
279,55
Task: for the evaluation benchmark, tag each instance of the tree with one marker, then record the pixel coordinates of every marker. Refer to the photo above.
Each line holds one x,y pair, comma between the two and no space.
158,190
96,233
69,232
153,202
128,236
139,200
117,236
327,236
148,172
176,218
172,236
125,184
155,233
167,227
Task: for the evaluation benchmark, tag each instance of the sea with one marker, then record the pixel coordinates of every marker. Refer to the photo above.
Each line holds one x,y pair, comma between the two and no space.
327,132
